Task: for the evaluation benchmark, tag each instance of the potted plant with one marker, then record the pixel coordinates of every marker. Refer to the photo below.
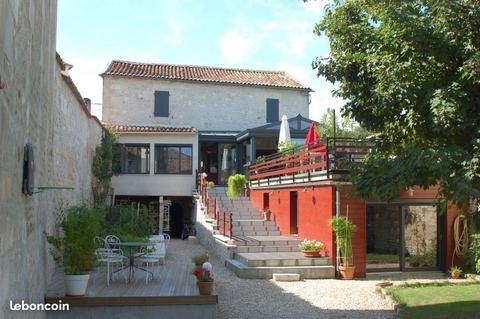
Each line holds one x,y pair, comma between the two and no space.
74,249
344,230
455,272
198,261
311,248
205,282
267,213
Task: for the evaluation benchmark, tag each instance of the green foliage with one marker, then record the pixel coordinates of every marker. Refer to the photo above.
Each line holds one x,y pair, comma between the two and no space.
200,259
287,148
474,251
128,223
75,249
409,69
260,159
427,260
455,269
344,230
102,168
236,183
210,184
345,126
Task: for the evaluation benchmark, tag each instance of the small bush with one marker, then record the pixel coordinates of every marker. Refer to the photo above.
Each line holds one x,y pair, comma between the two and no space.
236,183
474,251
128,223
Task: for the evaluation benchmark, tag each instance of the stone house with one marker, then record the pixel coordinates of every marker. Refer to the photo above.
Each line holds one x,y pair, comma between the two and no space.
176,120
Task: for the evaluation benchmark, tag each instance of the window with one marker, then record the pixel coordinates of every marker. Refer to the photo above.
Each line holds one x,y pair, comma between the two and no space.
161,103
173,159
272,110
131,159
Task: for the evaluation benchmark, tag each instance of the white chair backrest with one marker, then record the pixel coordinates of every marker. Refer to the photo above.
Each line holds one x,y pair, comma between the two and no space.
100,242
111,239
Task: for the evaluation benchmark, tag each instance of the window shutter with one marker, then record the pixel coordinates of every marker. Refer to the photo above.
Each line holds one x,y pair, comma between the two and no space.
161,103
272,110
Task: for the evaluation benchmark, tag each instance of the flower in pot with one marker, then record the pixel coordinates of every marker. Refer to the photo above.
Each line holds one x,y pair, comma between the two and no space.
74,250
344,230
311,248
267,213
205,282
455,272
198,261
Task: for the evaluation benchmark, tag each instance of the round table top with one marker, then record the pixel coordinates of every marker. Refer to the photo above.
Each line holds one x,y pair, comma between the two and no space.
132,244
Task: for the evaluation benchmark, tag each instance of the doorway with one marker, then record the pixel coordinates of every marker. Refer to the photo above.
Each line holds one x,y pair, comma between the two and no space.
403,237
294,213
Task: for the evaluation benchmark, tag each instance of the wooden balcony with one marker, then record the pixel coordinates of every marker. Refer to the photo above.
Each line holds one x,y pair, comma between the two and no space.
329,160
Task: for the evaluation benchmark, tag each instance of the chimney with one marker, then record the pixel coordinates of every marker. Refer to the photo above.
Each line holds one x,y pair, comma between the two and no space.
88,104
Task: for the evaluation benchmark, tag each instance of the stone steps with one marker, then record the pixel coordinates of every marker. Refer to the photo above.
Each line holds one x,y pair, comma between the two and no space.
305,272
267,249
254,227
279,259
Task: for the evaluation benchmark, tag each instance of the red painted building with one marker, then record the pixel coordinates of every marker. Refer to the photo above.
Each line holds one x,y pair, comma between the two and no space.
304,190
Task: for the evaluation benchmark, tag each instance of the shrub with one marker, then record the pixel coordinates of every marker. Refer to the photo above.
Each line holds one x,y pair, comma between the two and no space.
236,183
200,260
75,249
474,251
128,223
344,230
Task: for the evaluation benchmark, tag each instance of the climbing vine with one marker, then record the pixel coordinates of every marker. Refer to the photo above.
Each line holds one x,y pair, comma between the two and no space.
102,168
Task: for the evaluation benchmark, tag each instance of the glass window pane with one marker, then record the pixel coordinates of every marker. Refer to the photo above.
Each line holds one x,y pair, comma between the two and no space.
173,160
161,158
144,160
186,160
131,159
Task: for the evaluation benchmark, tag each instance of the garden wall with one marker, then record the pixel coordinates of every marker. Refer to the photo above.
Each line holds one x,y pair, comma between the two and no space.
38,105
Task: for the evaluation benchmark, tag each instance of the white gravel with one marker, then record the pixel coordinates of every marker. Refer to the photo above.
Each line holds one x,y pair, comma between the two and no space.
315,299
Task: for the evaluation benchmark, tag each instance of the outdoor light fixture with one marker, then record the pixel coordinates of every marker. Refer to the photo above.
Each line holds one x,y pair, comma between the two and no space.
410,191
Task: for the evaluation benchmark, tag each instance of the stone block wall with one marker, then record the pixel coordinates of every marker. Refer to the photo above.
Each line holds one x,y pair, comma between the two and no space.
201,105
37,106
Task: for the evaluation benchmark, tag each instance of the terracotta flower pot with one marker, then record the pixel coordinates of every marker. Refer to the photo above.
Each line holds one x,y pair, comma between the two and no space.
347,272
205,287
267,216
311,253
455,275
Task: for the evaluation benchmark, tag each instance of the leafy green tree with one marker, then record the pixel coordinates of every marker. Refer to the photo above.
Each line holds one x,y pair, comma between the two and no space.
344,126
411,70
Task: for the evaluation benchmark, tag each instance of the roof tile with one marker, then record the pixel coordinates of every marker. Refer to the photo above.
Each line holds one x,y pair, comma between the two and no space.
148,129
203,74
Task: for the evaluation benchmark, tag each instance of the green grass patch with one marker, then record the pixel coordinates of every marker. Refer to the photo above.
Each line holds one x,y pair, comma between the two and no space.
377,258
441,300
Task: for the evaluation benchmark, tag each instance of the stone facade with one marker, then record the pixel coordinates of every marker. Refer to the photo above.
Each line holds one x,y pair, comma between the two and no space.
37,106
201,105
158,184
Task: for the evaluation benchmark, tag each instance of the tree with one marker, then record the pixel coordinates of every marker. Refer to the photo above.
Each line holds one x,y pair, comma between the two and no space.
411,70
344,127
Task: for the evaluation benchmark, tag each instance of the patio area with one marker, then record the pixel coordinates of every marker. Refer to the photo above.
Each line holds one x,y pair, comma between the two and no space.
172,292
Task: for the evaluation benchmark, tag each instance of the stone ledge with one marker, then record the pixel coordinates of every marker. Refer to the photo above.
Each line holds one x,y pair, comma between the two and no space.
286,277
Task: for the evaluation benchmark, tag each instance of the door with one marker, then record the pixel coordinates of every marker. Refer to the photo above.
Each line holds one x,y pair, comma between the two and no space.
293,213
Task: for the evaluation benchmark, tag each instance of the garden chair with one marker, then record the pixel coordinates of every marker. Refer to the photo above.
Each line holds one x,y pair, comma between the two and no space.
109,257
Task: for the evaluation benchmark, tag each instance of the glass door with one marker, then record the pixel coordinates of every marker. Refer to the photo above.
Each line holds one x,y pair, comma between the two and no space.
228,161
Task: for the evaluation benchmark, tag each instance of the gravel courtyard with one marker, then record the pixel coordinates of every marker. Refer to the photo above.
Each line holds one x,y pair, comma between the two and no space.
309,299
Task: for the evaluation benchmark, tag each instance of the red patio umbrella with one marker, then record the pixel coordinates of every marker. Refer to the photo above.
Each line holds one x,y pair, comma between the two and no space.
312,137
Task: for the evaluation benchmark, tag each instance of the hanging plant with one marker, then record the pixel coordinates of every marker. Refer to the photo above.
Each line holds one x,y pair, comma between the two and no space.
236,183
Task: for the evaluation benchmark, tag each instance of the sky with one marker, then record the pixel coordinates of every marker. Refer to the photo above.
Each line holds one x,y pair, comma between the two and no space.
252,34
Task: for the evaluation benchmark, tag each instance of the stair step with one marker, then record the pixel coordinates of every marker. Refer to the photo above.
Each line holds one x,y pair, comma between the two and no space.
279,259
305,272
257,233
266,249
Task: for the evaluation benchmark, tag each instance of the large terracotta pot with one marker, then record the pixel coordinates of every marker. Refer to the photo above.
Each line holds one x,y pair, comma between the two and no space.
205,287
347,272
311,253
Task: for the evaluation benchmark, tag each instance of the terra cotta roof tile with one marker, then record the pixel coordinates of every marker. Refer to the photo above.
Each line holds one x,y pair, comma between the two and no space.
203,74
148,129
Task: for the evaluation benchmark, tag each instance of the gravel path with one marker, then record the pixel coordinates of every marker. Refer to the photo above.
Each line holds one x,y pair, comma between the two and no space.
309,299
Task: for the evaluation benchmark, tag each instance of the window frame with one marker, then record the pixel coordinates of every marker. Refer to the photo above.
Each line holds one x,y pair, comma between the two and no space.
179,146
123,157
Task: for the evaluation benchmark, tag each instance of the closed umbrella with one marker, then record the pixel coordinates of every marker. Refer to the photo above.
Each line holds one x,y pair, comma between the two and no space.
312,137
284,131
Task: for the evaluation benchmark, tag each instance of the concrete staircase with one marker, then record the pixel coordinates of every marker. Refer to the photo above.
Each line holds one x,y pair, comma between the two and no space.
260,249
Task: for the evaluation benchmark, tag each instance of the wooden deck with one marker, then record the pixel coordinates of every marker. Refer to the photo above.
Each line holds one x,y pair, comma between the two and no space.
173,283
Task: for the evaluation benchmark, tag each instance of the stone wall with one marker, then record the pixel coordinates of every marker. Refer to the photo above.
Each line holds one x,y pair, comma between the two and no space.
201,105
37,106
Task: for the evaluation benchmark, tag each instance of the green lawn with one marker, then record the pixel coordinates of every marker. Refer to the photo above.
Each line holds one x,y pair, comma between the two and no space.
438,301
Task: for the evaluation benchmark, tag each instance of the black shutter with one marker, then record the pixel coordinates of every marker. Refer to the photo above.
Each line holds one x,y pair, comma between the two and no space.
272,110
161,103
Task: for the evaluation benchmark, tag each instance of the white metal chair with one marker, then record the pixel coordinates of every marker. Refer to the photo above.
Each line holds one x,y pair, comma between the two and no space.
109,257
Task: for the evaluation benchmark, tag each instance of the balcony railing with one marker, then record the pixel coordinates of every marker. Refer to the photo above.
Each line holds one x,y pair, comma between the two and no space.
330,159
